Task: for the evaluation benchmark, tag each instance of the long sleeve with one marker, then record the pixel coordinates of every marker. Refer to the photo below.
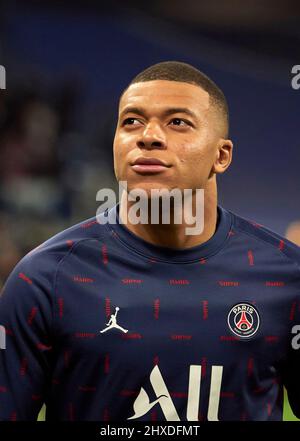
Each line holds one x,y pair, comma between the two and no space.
25,363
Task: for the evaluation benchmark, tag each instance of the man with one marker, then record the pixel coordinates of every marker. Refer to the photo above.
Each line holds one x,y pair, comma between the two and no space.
202,326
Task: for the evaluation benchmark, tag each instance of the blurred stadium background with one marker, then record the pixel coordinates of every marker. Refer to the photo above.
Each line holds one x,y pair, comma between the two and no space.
66,64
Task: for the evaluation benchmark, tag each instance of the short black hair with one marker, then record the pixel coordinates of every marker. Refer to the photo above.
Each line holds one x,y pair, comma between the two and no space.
186,73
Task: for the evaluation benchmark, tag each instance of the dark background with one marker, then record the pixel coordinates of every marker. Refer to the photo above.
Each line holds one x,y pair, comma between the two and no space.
66,64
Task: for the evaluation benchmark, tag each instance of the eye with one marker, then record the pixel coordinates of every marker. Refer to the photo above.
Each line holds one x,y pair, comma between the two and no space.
130,121
180,122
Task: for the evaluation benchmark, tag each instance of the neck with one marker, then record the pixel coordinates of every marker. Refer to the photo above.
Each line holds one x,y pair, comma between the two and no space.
174,235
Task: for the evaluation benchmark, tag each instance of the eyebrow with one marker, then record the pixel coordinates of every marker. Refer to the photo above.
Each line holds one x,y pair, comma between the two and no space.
166,112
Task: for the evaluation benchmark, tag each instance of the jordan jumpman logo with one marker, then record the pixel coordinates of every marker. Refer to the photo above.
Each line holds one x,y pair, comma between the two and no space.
113,323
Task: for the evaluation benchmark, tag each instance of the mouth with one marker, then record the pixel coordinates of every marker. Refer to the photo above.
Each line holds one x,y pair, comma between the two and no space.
149,166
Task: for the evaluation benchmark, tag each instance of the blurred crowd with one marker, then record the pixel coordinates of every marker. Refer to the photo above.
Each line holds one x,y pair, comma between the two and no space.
51,166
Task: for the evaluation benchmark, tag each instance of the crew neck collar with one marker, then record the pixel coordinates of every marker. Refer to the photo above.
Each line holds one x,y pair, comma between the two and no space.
156,252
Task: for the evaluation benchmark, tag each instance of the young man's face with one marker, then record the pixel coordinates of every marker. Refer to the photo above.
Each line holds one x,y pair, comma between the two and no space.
170,121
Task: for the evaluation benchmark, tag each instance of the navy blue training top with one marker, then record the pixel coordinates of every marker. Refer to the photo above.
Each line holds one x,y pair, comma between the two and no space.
102,325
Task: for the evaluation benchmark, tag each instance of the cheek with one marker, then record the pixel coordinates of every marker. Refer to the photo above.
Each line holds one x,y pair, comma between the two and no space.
120,153
196,160
121,146
192,154
118,149
117,153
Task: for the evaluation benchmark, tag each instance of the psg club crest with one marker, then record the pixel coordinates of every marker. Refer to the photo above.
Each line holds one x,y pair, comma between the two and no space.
243,320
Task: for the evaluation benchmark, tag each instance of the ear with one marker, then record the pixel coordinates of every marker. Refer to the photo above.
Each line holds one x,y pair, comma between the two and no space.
223,156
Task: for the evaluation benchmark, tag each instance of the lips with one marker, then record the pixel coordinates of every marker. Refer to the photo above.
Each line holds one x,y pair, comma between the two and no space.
149,161
149,166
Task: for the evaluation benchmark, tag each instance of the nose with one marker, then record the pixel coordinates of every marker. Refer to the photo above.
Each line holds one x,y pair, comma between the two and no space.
152,137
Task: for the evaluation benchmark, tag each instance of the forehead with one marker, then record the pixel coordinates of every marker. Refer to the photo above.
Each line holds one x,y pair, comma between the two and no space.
162,93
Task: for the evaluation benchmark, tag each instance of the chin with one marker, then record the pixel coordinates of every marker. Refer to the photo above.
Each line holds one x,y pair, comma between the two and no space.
149,188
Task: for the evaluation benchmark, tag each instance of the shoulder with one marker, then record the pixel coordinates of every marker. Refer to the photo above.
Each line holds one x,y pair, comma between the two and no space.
268,238
39,266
